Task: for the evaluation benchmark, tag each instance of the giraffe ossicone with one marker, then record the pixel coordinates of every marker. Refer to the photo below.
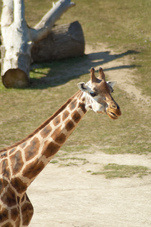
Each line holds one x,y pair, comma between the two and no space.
23,161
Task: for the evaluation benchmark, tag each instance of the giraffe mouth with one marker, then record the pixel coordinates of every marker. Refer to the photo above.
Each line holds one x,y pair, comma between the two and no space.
112,115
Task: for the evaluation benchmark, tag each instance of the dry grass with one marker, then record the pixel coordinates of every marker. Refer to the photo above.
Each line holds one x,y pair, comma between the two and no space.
122,26
113,170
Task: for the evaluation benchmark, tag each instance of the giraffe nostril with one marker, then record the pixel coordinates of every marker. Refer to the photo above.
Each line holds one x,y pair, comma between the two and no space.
114,106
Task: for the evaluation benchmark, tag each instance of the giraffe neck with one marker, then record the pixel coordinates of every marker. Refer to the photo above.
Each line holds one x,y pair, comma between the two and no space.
30,156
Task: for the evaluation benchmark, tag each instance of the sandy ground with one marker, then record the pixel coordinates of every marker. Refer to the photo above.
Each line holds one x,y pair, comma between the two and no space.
71,196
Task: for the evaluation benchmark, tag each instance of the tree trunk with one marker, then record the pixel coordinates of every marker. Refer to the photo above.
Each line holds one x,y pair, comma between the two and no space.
64,41
18,39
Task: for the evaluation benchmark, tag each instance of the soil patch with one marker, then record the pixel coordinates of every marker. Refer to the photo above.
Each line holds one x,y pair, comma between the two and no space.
71,196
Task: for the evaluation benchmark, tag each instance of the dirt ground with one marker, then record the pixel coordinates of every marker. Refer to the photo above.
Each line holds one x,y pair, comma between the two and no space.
71,196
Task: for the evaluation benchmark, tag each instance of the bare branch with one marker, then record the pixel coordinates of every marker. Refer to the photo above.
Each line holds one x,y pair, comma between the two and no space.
19,12
45,25
7,13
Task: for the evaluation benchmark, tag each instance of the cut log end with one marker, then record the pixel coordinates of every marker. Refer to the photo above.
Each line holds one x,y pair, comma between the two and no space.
15,78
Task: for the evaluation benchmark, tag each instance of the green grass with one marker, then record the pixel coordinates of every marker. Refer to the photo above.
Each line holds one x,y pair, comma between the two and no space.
113,170
23,110
122,25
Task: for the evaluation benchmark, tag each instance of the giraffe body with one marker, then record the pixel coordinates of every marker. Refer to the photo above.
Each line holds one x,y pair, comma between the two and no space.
22,162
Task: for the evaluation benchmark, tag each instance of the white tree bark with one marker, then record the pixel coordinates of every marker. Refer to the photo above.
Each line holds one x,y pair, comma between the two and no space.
18,39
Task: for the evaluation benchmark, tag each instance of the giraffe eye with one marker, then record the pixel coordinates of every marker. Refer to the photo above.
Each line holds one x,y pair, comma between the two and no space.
93,94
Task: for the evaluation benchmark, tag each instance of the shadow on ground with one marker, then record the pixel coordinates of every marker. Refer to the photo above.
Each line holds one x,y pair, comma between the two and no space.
60,72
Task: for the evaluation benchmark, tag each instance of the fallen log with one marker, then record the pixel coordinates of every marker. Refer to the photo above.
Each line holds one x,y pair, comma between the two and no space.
64,41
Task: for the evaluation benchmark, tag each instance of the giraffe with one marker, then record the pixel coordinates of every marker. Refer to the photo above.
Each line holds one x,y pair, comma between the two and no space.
23,161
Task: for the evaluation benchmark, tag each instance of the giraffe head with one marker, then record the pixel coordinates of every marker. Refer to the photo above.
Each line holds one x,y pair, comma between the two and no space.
97,94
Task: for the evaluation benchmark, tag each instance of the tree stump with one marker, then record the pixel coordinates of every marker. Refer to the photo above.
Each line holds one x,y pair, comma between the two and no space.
18,39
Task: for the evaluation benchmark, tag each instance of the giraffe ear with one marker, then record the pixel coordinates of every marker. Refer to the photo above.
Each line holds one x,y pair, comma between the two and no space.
111,83
83,87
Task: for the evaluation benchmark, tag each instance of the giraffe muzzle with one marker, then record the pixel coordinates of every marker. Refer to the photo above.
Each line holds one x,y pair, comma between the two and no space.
113,112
